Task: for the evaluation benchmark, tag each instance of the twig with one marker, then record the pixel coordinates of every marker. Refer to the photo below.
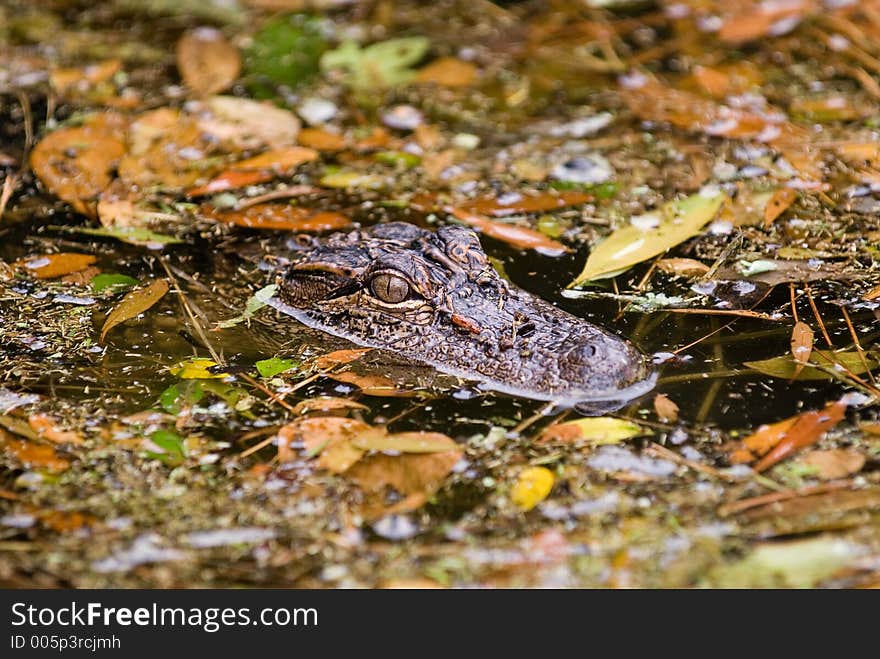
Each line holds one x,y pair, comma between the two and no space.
766,499
818,316
858,346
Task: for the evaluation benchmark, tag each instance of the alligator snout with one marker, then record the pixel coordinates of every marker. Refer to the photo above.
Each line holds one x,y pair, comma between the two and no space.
434,297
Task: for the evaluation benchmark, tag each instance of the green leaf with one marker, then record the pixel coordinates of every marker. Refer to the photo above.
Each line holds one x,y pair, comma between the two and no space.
255,302
286,52
170,442
181,395
131,235
655,233
381,65
784,366
102,282
274,365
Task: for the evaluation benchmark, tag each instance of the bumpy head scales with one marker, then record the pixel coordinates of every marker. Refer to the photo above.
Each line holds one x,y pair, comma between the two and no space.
434,297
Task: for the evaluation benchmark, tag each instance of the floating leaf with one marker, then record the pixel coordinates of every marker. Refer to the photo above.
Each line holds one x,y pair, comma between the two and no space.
372,385
105,281
654,233
801,346
406,442
532,487
383,64
339,357
666,409
133,304
50,266
207,62
274,365
177,396
785,366
254,303
197,368
596,430
516,236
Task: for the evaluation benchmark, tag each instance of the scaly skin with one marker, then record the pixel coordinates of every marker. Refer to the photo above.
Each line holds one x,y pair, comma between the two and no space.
434,297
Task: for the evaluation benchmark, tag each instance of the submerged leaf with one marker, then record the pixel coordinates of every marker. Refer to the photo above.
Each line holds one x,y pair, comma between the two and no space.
654,233
785,366
133,304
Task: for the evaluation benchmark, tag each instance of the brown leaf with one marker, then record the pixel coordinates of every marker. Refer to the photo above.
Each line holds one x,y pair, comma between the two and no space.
406,442
372,385
516,236
231,180
339,357
873,294
50,266
65,81
279,160
778,204
328,437
47,428
808,428
835,463
207,62
63,521
408,474
134,303
32,455
667,411
448,72
75,163
280,217
801,346
326,404
516,203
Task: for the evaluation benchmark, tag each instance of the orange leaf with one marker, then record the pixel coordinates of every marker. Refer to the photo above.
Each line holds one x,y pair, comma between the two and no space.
339,357
801,346
282,217
75,163
667,411
372,385
207,62
47,428
808,429
516,236
448,72
835,463
231,180
515,203
134,303
64,81
281,160
32,455
320,139
778,204
51,266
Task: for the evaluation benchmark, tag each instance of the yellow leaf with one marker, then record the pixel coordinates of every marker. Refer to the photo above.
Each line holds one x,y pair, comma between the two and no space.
654,233
196,369
531,487
133,304
786,367
596,429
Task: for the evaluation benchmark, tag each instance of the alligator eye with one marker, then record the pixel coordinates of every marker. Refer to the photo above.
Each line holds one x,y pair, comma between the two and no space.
389,288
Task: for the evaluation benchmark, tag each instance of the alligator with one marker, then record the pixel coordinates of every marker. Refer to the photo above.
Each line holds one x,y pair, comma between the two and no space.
434,297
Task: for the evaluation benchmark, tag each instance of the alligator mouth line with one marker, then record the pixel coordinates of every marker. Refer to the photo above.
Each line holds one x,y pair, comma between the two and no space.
434,298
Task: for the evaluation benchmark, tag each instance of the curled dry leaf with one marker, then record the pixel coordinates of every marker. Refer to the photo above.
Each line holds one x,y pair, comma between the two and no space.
279,217
667,411
779,440
778,204
835,463
448,72
76,163
207,62
51,266
801,346
134,303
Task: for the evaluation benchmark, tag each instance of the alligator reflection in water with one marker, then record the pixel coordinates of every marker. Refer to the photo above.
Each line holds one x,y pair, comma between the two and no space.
434,297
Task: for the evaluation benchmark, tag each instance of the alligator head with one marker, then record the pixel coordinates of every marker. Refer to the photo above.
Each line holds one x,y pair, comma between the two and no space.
434,297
